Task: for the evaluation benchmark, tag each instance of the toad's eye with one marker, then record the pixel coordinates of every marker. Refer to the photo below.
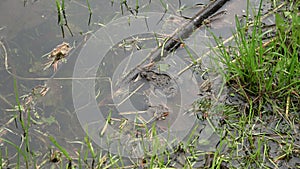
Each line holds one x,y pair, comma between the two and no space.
143,74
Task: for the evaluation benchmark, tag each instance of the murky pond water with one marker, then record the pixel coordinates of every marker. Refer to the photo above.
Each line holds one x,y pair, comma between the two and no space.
162,95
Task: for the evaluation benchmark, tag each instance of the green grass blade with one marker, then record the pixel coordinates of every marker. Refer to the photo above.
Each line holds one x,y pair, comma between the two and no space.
64,151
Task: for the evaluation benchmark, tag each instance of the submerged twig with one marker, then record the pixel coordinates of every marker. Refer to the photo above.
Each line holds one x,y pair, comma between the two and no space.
175,40
166,7
230,38
130,95
184,32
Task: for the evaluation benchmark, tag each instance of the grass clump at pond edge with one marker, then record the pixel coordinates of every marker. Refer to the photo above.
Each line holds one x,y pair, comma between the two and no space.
261,70
263,75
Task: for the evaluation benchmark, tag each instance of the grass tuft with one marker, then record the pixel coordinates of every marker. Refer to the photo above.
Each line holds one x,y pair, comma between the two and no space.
264,70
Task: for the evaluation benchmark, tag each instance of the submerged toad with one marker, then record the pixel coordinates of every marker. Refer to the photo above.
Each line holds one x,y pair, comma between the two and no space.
160,81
